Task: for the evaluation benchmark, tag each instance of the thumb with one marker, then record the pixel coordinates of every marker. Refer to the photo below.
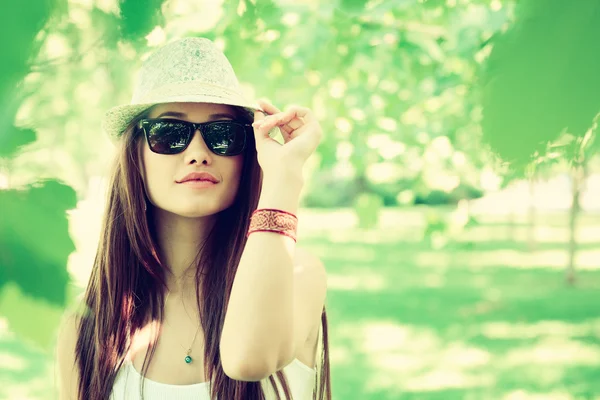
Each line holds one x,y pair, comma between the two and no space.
258,115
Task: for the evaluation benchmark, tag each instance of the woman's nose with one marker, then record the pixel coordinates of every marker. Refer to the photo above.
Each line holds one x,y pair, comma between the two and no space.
197,149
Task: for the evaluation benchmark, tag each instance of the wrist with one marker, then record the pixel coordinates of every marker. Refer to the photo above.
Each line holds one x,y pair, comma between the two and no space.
274,220
285,175
282,194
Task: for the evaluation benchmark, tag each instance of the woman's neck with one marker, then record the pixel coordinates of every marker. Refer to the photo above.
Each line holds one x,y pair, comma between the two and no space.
180,239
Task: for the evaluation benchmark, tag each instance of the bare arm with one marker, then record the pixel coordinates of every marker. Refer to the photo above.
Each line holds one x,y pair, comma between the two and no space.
259,322
276,299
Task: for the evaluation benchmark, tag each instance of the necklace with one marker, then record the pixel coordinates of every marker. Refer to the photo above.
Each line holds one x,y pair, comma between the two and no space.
188,359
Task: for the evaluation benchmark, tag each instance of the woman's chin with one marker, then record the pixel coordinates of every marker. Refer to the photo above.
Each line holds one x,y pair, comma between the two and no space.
184,212
197,211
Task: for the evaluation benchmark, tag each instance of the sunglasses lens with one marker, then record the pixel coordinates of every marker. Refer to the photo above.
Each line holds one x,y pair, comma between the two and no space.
225,138
168,137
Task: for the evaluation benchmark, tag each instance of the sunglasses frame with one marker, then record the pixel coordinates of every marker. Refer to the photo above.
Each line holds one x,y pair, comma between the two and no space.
145,123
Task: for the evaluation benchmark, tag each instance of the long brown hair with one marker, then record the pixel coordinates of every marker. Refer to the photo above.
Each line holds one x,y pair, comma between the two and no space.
128,281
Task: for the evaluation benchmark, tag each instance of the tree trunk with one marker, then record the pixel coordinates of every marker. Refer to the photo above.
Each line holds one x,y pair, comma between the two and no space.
531,215
512,225
579,175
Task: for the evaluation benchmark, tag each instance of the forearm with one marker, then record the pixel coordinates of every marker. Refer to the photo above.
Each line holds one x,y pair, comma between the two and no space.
258,327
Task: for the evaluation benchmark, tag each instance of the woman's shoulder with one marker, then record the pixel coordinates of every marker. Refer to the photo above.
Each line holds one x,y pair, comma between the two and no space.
66,365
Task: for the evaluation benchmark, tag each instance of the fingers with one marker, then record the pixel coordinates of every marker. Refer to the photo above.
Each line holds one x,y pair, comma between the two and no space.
302,112
268,107
286,124
294,117
290,121
271,110
265,124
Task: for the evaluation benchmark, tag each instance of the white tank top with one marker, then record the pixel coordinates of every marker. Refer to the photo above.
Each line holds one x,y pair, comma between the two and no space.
300,377
301,380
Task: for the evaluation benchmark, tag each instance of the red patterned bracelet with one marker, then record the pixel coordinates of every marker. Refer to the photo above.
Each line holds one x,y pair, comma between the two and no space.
273,220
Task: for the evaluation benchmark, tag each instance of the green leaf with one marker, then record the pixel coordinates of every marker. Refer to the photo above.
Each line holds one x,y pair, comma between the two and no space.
31,319
542,77
138,18
12,139
34,239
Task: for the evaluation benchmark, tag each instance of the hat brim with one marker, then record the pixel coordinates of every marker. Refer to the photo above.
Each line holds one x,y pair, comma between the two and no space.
116,119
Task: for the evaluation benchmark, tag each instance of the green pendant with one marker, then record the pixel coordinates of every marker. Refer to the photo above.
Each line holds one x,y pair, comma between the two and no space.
188,359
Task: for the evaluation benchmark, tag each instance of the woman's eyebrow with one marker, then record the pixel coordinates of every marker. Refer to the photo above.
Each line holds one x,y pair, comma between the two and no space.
172,114
220,116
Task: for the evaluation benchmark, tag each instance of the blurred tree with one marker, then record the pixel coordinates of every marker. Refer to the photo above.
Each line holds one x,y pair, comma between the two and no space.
34,237
138,18
384,79
18,26
541,82
34,248
35,240
34,231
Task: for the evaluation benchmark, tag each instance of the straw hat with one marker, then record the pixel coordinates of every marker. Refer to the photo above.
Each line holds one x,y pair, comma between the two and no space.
186,70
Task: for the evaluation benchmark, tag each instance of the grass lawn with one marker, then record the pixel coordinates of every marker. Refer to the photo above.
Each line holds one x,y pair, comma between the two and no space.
483,317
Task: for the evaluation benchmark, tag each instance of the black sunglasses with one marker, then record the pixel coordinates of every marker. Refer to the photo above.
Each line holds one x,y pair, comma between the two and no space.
172,136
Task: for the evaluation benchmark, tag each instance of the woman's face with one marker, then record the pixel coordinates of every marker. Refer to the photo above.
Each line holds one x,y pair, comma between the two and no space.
162,173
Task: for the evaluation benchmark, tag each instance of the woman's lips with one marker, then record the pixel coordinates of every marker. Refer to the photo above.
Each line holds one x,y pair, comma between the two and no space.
196,184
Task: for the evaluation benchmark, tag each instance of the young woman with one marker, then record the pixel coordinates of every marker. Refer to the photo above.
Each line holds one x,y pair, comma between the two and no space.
198,290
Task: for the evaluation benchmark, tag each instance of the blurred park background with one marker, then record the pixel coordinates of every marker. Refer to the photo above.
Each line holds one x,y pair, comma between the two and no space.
455,197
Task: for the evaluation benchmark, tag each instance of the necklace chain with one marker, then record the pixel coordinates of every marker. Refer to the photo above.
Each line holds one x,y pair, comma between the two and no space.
188,359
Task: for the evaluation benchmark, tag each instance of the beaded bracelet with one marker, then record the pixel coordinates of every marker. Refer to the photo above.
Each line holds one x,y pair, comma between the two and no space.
273,220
